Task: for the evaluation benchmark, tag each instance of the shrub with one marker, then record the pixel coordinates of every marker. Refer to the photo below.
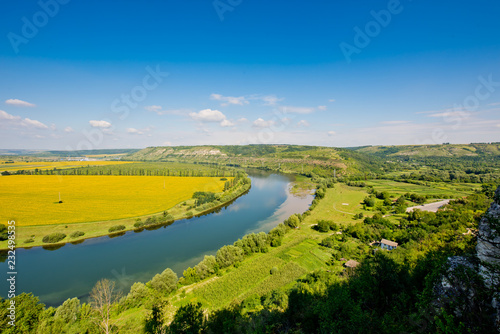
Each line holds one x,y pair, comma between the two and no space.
323,225
116,228
189,213
28,241
165,282
76,234
150,221
53,237
138,224
69,310
227,255
369,202
274,270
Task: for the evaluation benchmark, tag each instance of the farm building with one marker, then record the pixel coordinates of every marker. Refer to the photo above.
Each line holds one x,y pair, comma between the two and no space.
388,244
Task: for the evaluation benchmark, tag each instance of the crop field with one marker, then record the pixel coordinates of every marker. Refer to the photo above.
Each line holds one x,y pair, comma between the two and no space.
445,190
23,165
34,200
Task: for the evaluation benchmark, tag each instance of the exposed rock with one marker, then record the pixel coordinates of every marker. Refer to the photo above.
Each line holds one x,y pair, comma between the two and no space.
488,250
455,285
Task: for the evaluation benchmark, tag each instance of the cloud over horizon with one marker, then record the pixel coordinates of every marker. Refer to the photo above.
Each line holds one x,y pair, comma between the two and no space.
19,103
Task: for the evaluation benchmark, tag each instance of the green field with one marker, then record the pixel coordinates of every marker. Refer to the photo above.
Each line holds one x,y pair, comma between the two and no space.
441,189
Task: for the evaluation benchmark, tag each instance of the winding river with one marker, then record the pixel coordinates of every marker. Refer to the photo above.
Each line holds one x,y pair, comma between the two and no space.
72,270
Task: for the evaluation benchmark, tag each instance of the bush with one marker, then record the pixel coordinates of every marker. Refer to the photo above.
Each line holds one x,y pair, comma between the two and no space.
28,241
53,237
165,282
76,234
150,221
116,228
227,255
138,224
369,202
274,270
189,214
3,232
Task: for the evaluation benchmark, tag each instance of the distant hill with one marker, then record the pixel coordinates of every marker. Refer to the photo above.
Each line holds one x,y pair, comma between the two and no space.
444,150
323,161
63,154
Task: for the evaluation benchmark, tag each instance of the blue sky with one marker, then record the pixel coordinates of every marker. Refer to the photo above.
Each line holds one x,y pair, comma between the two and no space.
129,74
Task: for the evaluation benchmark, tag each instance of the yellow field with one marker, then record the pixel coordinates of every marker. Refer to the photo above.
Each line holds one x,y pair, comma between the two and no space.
23,165
33,200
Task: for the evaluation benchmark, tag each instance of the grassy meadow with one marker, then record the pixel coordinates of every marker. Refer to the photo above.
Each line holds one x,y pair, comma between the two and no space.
33,200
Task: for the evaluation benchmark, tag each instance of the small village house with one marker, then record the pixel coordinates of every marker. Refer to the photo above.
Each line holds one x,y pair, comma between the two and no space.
388,244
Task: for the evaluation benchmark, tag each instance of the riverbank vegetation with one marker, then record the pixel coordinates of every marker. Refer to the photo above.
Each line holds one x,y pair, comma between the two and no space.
320,271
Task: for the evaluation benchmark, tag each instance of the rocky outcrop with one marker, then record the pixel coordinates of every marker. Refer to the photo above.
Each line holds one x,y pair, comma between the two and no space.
469,286
488,250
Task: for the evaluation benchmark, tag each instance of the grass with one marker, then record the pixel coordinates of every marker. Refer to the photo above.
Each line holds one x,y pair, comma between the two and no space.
340,204
33,200
442,189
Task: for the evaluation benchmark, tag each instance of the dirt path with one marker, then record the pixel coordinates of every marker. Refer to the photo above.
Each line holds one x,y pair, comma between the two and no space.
433,207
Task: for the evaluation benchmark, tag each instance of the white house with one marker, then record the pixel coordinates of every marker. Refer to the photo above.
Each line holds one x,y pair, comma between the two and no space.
387,244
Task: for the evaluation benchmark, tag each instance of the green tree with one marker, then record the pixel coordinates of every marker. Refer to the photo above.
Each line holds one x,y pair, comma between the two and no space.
188,319
28,310
165,282
69,311
228,255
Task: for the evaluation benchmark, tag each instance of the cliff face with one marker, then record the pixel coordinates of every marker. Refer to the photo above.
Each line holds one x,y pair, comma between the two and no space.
488,242
488,250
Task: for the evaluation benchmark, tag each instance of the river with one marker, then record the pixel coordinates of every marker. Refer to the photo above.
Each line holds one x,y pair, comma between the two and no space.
72,270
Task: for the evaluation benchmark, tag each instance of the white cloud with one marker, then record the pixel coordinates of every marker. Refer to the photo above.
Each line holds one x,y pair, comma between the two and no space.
208,115
332,133
296,110
160,111
100,124
7,116
226,123
242,120
34,123
228,100
454,113
19,103
167,143
303,123
395,122
134,131
153,108
331,100
68,129
19,121
494,104
260,123
271,100
322,108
